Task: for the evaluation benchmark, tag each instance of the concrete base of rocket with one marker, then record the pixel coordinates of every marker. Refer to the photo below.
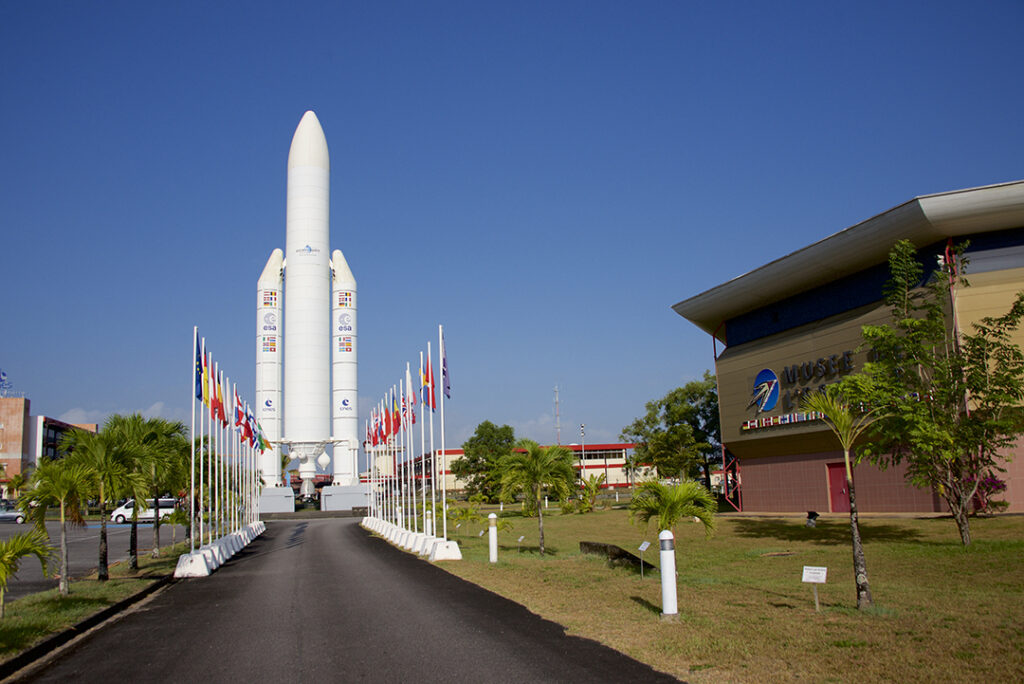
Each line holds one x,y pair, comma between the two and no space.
277,500
342,498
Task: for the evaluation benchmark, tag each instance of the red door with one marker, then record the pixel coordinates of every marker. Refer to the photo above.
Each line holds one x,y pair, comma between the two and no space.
839,498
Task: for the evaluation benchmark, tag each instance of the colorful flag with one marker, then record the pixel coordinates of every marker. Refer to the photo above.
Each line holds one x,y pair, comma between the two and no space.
239,412
199,368
206,378
409,400
427,389
446,380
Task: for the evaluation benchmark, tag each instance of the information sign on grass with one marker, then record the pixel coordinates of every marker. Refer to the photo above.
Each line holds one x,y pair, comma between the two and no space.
815,575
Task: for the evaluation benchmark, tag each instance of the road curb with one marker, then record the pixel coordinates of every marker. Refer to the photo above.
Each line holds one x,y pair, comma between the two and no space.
55,641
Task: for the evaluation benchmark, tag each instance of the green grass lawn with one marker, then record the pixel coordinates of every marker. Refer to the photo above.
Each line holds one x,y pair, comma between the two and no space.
943,613
37,616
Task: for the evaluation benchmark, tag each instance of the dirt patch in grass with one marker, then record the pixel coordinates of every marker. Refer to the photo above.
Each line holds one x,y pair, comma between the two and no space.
943,613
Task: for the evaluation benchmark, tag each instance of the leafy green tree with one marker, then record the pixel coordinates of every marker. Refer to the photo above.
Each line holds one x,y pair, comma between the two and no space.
107,463
153,444
535,470
482,453
848,424
591,488
952,398
13,550
668,504
466,513
680,434
65,485
15,483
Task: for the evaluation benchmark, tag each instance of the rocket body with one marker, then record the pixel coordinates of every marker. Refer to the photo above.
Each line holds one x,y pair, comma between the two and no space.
317,332
307,286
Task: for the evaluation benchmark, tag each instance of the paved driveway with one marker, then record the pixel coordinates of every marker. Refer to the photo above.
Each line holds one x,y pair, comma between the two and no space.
325,601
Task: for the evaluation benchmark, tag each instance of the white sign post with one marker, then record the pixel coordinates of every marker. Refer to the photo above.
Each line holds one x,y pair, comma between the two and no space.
519,543
643,547
814,576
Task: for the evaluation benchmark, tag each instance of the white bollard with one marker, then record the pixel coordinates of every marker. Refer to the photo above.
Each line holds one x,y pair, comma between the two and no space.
428,526
669,606
492,536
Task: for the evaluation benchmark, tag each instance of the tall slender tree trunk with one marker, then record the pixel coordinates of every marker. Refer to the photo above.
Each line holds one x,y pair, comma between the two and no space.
860,570
63,585
156,525
540,519
102,569
133,539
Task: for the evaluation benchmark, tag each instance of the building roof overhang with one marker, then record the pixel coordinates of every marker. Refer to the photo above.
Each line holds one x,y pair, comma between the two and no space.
923,220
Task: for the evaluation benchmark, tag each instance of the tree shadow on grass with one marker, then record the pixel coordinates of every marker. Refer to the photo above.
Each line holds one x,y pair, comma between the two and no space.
827,532
534,550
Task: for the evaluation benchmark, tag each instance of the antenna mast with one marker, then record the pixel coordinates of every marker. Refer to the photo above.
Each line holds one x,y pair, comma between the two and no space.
558,420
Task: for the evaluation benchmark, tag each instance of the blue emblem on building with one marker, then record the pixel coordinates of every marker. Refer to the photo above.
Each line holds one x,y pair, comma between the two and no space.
766,391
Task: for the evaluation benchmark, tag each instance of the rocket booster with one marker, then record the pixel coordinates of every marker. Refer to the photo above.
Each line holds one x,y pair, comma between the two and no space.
345,381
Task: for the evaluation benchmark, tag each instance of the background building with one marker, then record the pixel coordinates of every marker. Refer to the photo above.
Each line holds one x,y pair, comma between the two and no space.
25,438
798,320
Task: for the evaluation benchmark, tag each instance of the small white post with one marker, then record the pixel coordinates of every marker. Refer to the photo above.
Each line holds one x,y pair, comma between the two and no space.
669,607
492,536
428,526
545,502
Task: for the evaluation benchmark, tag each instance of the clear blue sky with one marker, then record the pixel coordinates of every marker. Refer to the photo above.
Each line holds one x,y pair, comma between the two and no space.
546,179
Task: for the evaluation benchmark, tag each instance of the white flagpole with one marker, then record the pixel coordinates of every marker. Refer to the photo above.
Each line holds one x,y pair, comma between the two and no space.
410,444
192,439
218,455
423,455
433,454
444,461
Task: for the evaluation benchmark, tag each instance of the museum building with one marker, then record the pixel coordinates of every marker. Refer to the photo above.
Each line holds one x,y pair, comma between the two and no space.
794,324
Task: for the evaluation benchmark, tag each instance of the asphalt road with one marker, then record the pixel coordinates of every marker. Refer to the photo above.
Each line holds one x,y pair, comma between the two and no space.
324,600
83,551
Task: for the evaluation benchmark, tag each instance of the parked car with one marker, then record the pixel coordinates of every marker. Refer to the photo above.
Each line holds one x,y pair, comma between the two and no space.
123,513
10,513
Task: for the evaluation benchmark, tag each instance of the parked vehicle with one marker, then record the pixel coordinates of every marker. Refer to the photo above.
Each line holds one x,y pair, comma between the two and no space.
123,513
10,513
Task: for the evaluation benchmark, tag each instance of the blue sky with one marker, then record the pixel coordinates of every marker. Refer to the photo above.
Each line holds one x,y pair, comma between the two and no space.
545,179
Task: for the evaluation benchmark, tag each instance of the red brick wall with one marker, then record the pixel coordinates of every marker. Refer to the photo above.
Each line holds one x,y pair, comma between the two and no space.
800,483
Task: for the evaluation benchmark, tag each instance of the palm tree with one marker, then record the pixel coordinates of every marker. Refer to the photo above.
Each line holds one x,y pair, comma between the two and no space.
535,471
31,543
671,503
15,483
108,465
152,444
591,488
63,484
847,427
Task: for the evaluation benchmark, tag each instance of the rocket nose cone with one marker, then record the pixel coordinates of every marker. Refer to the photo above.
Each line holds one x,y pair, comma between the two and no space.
342,273
309,145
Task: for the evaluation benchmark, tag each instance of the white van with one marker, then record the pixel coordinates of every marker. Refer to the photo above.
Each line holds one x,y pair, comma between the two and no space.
123,513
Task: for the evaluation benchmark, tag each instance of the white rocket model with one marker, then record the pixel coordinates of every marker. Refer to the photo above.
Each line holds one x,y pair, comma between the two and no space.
318,330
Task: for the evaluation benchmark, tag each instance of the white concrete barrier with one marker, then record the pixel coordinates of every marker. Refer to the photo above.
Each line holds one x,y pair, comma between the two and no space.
192,565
